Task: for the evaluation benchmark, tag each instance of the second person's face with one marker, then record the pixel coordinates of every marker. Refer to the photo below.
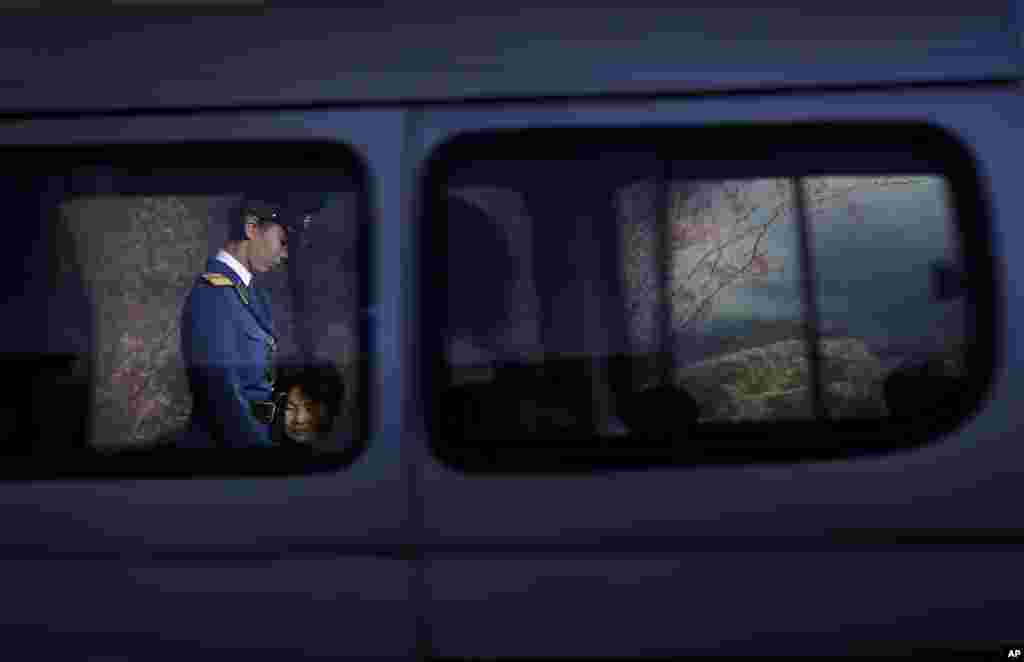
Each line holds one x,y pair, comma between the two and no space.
302,416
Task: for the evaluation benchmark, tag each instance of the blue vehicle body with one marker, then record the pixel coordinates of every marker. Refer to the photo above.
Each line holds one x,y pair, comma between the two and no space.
399,554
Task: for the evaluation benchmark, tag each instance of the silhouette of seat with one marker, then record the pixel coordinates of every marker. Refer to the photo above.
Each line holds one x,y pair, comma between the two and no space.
660,412
921,390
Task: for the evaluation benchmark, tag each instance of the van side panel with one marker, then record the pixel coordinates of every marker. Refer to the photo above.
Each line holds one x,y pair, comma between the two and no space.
404,54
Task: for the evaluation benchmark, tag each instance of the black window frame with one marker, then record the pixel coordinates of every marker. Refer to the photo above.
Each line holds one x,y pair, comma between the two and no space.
725,151
222,163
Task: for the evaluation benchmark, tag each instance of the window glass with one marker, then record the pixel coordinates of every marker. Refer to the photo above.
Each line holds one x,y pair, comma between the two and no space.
563,322
889,281
185,309
735,330
616,297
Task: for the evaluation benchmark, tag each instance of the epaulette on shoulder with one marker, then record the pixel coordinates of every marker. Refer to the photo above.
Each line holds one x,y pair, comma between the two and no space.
218,280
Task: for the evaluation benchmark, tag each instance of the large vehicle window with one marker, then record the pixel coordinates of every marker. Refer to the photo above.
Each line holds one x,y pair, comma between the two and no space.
182,310
702,296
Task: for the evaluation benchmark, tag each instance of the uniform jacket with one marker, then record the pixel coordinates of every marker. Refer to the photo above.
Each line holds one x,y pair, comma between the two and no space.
227,345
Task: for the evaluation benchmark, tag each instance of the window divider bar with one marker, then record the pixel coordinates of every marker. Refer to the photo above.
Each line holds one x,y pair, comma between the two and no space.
664,266
810,301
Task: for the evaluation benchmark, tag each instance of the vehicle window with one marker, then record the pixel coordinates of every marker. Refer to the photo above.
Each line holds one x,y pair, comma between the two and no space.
626,299
733,327
173,309
890,288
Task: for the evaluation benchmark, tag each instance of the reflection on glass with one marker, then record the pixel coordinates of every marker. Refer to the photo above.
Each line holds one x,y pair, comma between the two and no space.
530,296
554,328
201,303
735,329
889,293
562,323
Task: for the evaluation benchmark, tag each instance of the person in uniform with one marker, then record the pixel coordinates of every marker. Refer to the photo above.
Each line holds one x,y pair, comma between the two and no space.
227,335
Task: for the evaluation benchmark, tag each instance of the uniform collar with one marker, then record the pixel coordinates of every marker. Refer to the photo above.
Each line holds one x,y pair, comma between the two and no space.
236,266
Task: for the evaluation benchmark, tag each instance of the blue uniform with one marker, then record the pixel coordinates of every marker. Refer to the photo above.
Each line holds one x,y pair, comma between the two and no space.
227,342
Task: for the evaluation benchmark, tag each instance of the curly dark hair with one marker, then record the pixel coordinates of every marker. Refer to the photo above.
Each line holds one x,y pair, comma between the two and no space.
320,382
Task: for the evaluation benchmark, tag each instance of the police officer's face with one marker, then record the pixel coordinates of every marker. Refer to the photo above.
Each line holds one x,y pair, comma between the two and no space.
268,246
302,416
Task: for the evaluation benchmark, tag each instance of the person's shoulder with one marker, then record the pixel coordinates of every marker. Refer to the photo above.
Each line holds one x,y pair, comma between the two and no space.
214,279
211,288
